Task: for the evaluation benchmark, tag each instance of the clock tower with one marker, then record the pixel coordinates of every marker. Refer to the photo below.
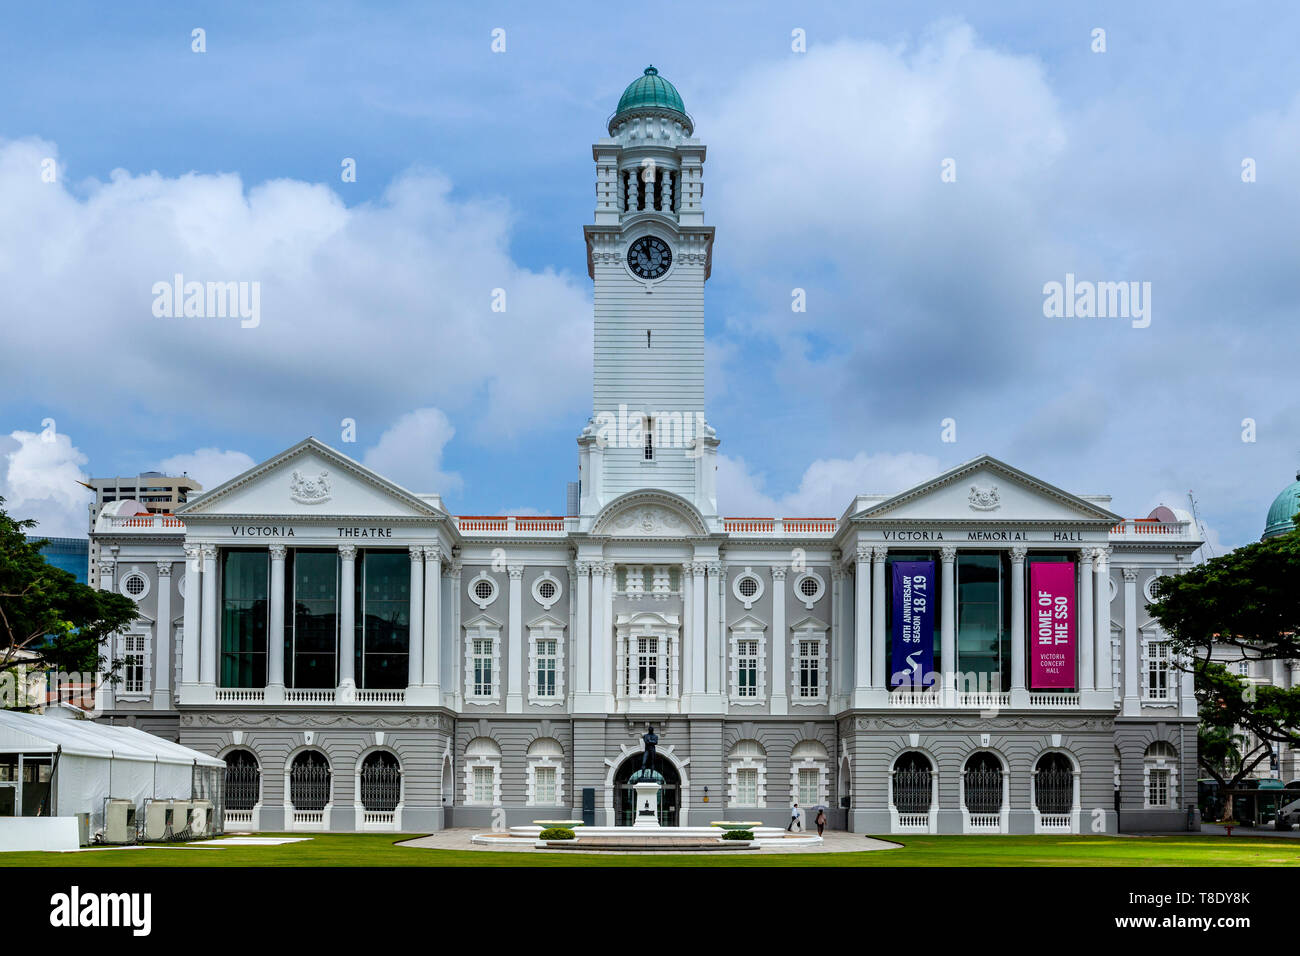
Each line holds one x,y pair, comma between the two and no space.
649,254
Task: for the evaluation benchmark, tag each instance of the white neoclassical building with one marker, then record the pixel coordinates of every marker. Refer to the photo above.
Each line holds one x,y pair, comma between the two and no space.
972,655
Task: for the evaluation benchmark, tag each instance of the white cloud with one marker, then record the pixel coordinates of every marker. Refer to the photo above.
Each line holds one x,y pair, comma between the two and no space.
410,453
209,466
40,481
827,487
381,306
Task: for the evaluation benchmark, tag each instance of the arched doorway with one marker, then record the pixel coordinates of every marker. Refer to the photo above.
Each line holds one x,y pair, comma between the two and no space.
663,773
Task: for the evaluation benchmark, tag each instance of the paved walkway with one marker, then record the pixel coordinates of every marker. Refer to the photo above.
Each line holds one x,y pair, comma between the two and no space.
458,838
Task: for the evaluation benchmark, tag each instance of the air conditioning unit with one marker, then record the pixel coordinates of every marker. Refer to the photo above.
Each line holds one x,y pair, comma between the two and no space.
157,818
119,821
201,818
180,816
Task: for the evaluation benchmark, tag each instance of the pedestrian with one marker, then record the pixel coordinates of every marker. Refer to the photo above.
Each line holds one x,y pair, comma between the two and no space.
821,820
796,817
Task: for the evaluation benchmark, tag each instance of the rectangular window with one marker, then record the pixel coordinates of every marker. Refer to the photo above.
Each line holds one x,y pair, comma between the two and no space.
383,624
484,778
809,790
810,669
482,664
544,785
747,668
983,629
245,582
1158,670
1158,788
747,787
133,668
547,649
647,656
648,450
311,611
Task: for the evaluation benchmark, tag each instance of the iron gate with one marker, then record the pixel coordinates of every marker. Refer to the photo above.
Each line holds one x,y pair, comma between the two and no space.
381,786
309,785
1054,791
243,785
912,790
983,790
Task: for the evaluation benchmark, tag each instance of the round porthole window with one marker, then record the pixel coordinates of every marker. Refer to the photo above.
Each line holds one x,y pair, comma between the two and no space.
483,590
135,585
809,588
546,589
747,587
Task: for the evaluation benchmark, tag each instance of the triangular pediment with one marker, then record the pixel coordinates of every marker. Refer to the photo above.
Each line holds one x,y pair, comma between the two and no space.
986,489
310,480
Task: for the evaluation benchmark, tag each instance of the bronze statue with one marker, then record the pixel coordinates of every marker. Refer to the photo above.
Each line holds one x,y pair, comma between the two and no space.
648,755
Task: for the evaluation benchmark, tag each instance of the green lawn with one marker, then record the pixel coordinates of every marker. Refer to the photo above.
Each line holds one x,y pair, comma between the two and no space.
380,850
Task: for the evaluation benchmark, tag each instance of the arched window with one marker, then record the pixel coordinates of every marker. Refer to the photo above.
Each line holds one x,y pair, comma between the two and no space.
243,780
1054,784
381,782
483,772
545,772
982,783
1160,770
309,781
810,773
747,774
913,780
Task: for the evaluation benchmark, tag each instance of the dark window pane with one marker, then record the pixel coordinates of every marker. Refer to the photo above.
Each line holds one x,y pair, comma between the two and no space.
244,582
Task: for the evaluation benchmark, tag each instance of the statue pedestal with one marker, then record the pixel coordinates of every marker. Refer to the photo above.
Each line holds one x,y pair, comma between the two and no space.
647,806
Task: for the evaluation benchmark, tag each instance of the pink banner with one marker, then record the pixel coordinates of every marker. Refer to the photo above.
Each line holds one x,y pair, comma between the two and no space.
1051,625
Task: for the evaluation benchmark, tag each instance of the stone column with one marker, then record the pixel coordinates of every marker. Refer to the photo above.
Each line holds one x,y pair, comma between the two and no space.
879,639
837,639
948,623
607,633
432,622
599,627
415,619
720,634
698,633
1087,636
862,627
208,625
1132,654
106,569
1018,683
515,666
780,700
1101,619
688,634
347,617
191,644
162,645
582,636
275,626
455,646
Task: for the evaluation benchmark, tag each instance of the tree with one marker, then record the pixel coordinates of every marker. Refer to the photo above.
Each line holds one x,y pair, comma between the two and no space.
48,620
1247,601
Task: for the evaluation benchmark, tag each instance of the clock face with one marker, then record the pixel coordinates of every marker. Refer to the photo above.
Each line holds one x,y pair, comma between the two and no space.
649,257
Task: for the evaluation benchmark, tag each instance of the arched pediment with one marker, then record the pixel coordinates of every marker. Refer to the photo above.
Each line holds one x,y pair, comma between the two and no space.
650,514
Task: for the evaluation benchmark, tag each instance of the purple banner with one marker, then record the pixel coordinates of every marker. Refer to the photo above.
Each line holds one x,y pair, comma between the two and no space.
1051,625
913,638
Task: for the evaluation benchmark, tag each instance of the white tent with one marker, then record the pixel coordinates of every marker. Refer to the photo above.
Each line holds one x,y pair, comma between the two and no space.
93,762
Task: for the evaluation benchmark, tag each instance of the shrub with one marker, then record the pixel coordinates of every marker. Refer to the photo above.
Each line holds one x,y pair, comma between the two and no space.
556,833
738,835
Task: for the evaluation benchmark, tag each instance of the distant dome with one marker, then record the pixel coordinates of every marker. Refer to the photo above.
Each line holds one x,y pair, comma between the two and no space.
650,91
1285,506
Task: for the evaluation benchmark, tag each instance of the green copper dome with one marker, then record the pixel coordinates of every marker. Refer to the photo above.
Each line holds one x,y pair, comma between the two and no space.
1285,507
648,92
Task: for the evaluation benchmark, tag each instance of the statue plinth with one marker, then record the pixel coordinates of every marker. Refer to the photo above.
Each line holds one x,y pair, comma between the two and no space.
647,805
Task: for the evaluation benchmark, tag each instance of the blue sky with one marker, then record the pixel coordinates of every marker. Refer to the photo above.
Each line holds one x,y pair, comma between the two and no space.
475,172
